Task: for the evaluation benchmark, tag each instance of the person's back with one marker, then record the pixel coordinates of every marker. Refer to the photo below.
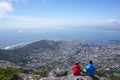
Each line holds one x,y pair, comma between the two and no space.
76,69
90,69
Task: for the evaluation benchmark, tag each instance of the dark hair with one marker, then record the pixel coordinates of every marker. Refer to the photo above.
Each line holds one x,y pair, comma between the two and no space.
90,62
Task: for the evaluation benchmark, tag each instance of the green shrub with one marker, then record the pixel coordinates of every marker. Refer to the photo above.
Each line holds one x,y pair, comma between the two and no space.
100,73
41,74
9,74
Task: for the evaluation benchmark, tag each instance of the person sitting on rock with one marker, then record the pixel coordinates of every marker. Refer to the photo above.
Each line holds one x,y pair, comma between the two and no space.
90,69
76,69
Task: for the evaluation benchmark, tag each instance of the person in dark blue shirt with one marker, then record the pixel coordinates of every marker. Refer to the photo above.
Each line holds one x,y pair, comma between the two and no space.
90,69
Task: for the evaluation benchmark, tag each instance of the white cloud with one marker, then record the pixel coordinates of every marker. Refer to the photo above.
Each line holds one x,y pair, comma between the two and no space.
29,23
37,22
5,8
24,1
112,21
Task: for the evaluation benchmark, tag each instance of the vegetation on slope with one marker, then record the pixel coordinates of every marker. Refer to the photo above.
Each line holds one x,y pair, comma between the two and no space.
20,54
9,74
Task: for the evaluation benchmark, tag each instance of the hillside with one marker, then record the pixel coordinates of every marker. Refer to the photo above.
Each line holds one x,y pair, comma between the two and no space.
50,55
18,55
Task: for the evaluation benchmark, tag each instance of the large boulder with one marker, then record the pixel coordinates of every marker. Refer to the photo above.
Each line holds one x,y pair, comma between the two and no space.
61,73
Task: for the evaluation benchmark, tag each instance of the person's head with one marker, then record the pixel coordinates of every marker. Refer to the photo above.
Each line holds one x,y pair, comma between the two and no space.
91,62
77,63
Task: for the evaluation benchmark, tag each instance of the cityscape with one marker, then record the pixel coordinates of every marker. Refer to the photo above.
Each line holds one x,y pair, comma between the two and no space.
53,55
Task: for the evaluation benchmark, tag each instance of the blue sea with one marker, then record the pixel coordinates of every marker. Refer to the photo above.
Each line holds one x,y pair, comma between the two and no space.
13,37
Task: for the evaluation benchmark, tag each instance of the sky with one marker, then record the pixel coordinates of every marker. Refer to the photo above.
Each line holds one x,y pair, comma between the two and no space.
74,14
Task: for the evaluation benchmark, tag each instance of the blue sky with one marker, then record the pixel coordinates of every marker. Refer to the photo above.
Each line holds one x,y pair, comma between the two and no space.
28,14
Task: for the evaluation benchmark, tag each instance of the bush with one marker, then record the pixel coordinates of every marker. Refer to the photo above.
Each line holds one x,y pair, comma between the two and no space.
100,73
39,75
8,74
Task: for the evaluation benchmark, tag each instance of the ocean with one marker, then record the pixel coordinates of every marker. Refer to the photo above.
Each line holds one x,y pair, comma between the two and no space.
13,37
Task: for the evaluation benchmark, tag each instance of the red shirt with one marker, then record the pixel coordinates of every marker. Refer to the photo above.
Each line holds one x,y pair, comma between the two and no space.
76,70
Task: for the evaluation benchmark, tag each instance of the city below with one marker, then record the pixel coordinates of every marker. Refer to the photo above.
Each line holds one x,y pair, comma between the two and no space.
52,55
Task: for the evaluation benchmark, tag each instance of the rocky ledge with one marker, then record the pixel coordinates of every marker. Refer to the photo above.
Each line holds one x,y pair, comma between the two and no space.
71,77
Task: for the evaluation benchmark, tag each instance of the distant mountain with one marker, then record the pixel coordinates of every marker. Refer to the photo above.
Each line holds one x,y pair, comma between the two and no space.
18,54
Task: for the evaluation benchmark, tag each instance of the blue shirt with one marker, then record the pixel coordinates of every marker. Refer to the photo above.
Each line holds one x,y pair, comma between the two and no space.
90,70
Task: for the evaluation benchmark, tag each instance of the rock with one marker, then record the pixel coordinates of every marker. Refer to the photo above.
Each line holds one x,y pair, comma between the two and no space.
61,73
50,78
71,77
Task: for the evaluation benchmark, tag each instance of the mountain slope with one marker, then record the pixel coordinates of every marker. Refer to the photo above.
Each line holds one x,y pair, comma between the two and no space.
19,54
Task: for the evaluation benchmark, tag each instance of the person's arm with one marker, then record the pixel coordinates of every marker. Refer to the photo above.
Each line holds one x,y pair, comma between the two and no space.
95,68
86,70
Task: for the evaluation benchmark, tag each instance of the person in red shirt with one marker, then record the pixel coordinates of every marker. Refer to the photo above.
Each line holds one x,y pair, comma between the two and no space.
76,69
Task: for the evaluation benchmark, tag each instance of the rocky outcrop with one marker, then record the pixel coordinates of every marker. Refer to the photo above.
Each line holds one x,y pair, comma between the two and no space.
71,77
